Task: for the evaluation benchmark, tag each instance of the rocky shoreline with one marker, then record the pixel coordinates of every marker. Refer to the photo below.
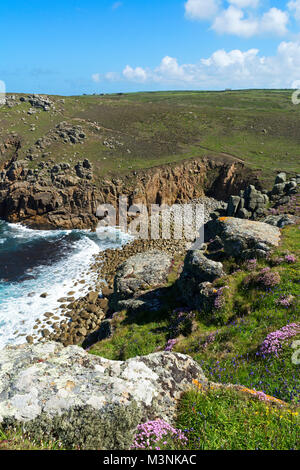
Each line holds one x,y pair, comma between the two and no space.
85,320
83,317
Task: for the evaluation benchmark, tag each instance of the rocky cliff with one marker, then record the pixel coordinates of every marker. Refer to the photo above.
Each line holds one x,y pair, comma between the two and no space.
61,196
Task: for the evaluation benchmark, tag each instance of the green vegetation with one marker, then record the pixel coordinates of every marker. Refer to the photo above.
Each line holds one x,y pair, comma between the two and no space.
137,337
229,352
225,419
227,344
259,127
16,440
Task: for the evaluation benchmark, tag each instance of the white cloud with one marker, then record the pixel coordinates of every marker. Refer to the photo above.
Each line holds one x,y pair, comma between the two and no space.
289,54
222,58
169,68
239,19
231,21
244,3
294,7
201,9
136,75
96,77
274,21
233,69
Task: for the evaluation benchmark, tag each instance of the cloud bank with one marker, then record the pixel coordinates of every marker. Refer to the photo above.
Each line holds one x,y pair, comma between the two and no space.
243,18
222,69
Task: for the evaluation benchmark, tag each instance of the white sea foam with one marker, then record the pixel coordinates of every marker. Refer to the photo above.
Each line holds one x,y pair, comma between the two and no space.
21,303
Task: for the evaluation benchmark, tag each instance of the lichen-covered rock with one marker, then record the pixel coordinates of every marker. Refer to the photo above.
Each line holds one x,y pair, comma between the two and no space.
195,280
280,220
244,238
87,401
140,273
198,266
280,178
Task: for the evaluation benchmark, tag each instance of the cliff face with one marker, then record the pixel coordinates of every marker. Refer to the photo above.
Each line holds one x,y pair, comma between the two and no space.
59,196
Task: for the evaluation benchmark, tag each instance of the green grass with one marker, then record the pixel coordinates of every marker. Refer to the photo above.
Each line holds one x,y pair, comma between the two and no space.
257,126
225,419
248,317
135,337
16,440
232,357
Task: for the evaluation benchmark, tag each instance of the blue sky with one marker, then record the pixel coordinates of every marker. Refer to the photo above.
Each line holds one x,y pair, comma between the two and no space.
76,46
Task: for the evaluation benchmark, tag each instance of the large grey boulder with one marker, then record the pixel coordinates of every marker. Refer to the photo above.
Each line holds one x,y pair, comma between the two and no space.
197,265
280,178
284,188
280,220
83,400
139,274
244,238
195,280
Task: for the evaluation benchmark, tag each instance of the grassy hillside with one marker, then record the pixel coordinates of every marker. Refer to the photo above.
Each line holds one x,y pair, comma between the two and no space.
227,344
141,130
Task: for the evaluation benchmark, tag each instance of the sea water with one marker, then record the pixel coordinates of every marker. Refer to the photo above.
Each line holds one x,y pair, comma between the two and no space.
34,262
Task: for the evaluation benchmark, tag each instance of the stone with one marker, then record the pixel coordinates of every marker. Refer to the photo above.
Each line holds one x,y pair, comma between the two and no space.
140,273
65,394
280,178
197,265
278,188
243,214
196,277
92,297
290,187
249,205
244,238
280,220
103,304
233,204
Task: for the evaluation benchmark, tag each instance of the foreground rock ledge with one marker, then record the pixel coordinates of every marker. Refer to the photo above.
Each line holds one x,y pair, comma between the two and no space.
85,400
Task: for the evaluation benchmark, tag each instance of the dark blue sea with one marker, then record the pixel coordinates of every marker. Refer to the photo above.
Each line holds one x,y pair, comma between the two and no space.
33,262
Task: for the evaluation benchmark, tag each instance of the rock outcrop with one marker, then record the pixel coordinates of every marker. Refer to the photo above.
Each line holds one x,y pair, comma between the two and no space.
38,101
87,401
280,220
195,280
244,238
141,273
58,195
252,203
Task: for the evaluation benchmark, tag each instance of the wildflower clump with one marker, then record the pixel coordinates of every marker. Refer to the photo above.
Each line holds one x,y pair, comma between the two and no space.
181,322
277,261
220,299
272,344
291,259
170,344
265,279
285,301
262,396
251,265
156,435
